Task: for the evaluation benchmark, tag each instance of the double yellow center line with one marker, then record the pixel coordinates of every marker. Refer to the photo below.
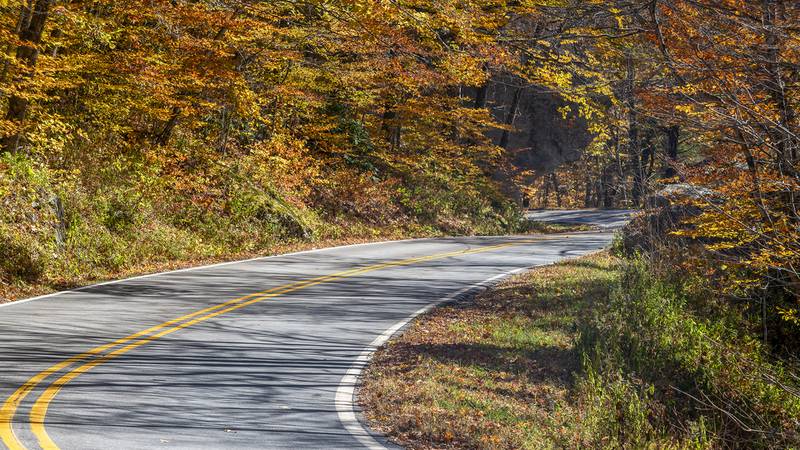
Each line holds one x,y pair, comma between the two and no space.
111,350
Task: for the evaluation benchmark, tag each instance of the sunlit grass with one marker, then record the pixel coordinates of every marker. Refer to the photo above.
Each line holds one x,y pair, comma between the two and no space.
591,353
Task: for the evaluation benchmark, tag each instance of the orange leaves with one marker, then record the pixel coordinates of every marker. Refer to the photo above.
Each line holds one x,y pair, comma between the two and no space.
750,233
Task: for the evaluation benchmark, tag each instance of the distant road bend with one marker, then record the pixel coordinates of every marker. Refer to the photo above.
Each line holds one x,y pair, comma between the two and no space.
262,353
601,218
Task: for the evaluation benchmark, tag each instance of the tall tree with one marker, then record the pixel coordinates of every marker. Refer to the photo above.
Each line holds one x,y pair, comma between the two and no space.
31,27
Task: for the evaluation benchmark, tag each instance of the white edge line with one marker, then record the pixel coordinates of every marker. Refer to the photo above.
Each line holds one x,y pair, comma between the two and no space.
208,266
345,393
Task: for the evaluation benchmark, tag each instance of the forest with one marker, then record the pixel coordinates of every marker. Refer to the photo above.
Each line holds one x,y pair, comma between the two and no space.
140,134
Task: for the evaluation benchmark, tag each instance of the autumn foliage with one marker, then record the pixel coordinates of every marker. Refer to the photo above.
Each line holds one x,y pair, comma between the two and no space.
182,129
140,133
699,121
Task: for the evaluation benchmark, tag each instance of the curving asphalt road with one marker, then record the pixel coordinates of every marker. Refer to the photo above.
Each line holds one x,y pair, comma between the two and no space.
248,354
601,218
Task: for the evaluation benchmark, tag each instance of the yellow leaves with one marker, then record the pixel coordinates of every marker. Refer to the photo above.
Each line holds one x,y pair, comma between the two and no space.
462,68
754,238
8,127
565,111
551,75
618,16
246,101
690,110
790,314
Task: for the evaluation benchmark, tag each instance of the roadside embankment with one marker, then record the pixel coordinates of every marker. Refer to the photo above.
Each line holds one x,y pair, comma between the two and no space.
594,352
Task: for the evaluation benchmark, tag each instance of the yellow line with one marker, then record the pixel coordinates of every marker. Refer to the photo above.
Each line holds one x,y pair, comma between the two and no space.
39,410
11,404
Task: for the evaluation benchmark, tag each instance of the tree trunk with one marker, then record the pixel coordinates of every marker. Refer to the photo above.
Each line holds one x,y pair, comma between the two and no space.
620,167
605,186
633,134
646,164
480,96
556,187
30,35
587,195
782,136
784,133
545,192
390,127
673,135
512,113
24,15
164,136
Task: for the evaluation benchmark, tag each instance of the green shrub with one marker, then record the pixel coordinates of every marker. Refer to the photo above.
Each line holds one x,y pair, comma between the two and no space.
27,219
698,368
122,211
620,411
22,257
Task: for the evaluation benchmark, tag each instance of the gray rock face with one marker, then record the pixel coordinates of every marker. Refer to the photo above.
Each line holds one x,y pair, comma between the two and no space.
671,193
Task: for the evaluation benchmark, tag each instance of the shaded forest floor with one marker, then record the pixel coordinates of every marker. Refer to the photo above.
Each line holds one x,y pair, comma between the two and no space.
575,355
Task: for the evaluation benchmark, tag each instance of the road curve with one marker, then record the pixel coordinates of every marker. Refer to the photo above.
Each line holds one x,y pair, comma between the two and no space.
248,354
601,218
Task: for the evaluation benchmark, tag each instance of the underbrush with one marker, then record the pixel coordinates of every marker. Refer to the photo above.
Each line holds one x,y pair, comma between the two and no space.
546,227
61,227
657,362
598,352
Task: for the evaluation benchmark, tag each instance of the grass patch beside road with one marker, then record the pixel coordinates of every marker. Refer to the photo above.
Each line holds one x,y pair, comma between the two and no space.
533,226
494,373
595,352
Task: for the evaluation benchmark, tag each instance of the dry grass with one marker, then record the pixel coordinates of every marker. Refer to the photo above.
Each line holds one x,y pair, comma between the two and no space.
555,227
16,291
496,372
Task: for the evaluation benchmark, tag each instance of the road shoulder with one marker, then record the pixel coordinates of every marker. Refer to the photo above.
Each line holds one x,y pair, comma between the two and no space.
493,372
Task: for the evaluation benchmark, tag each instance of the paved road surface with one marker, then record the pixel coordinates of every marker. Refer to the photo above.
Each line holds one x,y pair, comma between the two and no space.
156,361
602,218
